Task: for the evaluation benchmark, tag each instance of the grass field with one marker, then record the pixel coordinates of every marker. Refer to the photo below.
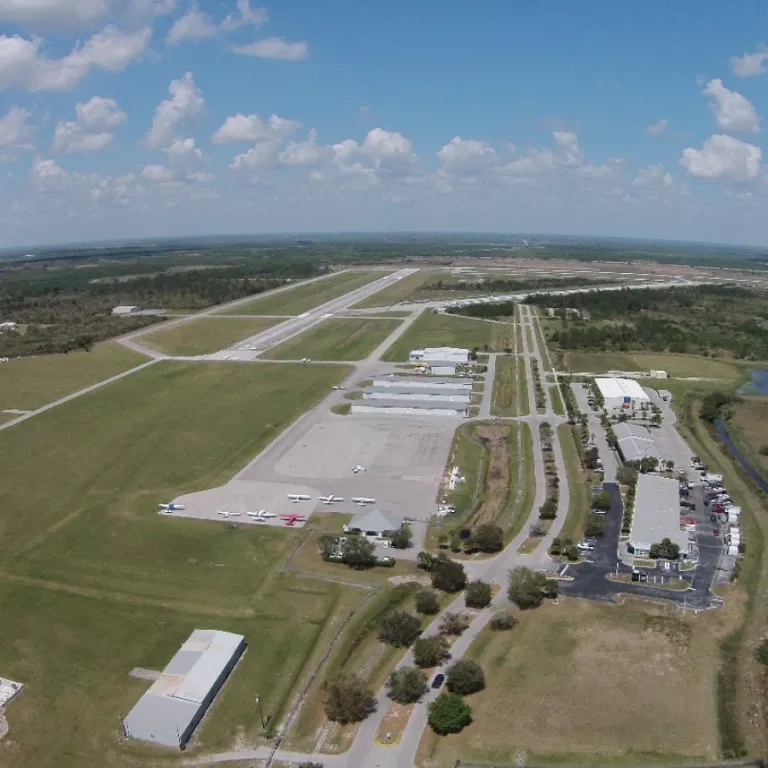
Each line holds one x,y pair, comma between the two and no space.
682,366
206,334
32,382
578,492
399,291
93,582
653,703
507,400
748,426
437,330
337,338
304,297
557,400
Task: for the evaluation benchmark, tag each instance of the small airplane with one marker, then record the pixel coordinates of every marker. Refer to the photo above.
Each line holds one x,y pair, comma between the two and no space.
329,499
291,519
337,389
171,507
306,359
261,514
359,468
363,500
227,513
297,497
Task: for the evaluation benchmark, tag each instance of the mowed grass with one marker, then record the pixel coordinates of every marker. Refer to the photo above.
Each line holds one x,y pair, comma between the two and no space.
747,425
307,296
438,330
507,400
337,338
587,683
682,366
93,582
206,334
32,382
578,491
399,291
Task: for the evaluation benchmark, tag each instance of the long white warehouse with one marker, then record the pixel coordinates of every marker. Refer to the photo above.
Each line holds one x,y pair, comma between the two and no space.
656,515
439,396
426,382
622,394
170,710
409,408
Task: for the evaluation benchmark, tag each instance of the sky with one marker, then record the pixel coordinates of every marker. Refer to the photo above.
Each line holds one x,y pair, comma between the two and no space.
147,118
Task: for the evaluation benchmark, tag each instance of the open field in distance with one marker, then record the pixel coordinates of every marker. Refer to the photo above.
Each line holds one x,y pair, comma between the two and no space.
749,426
397,292
683,366
577,707
31,382
438,330
206,334
96,583
338,338
307,296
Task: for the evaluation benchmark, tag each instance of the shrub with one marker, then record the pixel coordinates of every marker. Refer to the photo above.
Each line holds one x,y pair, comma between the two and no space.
348,699
449,713
465,677
426,602
358,553
407,685
453,623
762,652
503,621
402,539
527,588
429,651
478,594
489,538
399,629
448,575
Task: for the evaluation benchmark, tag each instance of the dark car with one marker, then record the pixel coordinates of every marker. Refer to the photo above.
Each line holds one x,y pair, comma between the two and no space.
715,531
438,681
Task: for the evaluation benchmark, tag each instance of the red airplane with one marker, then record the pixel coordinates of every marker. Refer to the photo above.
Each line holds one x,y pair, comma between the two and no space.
291,519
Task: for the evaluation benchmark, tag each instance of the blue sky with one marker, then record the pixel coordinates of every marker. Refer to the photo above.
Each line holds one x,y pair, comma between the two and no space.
133,118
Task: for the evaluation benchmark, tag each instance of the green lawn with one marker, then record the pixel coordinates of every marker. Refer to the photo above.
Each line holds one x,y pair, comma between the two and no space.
578,492
206,334
307,296
32,382
505,401
93,582
439,330
557,400
682,366
337,338
396,292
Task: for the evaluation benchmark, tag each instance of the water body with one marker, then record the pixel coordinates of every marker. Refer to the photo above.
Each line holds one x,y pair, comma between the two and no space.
749,468
758,384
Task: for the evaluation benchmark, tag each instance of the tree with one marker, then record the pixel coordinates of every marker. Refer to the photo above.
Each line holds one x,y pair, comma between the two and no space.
478,594
429,651
449,713
358,553
426,602
402,539
502,621
666,549
425,561
489,538
399,629
527,588
407,685
601,501
548,510
595,526
465,677
453,623
448,575
328,545
348,699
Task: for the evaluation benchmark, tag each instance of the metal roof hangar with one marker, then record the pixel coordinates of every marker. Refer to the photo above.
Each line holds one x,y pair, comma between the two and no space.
170,710
656,515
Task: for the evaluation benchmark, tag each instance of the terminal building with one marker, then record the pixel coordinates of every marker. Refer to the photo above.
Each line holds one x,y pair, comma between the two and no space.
622,395
635,442
170,710
656,515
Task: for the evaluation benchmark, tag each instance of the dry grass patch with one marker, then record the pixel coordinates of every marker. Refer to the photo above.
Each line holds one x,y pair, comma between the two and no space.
394,722
593,682
747,425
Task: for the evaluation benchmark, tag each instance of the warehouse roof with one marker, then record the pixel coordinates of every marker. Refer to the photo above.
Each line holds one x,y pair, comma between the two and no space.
393,392
636,442
656,514
433,381
427,405
615,386
374,520
174,699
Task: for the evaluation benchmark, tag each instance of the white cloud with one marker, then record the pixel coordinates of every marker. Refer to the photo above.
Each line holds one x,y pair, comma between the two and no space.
193,25
247,16
656,129
157,174
251,128
733,112
92,130
24,65
466,155
183,152
654,176
380,144
723,157
750,64
274,48
305,154
186,102
66,14
264,155
14,129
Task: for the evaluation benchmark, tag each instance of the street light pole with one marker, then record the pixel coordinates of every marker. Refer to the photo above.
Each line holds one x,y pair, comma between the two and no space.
261,712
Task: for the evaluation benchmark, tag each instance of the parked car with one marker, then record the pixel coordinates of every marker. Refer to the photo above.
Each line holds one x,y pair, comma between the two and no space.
715,531
586,546
438,681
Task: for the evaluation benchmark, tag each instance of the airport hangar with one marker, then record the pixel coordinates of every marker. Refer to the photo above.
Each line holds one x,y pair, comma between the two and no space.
168,713
415,397
621,395
656,515
635,442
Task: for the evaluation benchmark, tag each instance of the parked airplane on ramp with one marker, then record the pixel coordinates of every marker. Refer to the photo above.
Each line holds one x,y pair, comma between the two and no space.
363,500
171,507
358,468
297,497
329,499
227,513
289,520
261,514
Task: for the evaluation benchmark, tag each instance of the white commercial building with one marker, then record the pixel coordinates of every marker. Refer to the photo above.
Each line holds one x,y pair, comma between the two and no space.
656,515
170,710
409,408
441,355
635,442
622,395
427,395
397,382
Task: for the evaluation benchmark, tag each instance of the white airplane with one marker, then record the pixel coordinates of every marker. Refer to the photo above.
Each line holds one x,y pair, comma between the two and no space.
227,513
261,514
338,388
297,497
329,499
171,507
363,500
359,468
306,359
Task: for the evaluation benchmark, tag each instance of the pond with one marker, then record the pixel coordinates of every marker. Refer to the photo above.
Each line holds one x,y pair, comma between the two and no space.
757,385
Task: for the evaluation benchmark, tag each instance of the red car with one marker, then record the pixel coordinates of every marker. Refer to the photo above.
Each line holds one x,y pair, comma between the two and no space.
716,531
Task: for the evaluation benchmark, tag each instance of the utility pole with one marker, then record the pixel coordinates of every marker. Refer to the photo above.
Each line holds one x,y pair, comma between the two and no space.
264,721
